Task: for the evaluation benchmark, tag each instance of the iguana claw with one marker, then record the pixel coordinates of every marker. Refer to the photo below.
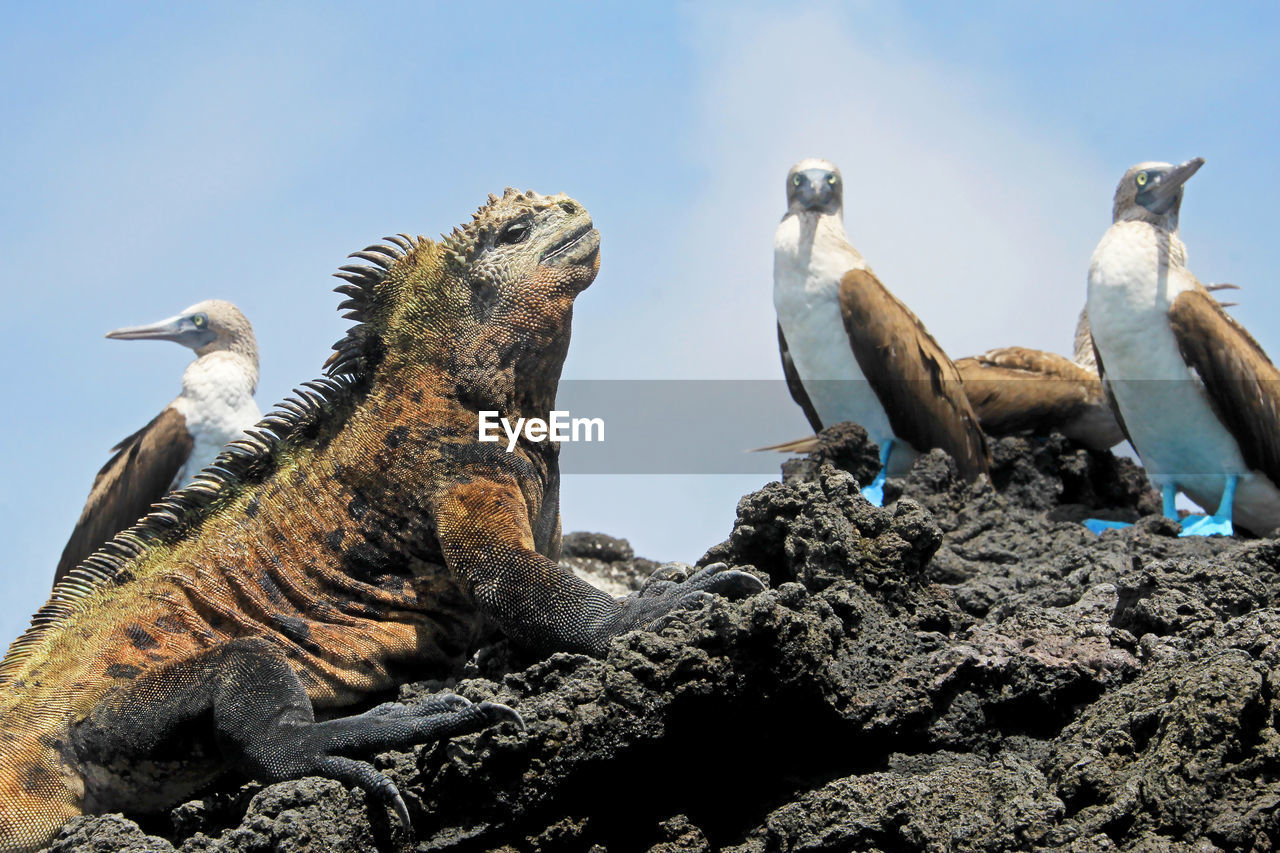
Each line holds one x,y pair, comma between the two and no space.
323,748
719,578
392,726
496,712
675,579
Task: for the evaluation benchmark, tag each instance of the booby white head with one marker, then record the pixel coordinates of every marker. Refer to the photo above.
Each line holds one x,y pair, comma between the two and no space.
216,405
850,350
1197,396
210,326
815,186
1152,193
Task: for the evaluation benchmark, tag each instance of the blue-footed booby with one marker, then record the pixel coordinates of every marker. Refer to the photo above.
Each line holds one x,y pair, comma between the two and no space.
215,406
1196,395
851,351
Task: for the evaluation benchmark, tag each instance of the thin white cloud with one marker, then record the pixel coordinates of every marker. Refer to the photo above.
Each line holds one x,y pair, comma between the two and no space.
979,222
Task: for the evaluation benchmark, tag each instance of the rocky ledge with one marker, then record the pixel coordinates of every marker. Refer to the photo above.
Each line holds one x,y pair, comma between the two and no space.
969,669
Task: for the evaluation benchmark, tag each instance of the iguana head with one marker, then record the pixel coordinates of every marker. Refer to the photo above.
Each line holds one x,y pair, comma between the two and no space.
489,305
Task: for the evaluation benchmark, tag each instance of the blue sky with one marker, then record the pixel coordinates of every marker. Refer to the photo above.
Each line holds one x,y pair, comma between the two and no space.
158,154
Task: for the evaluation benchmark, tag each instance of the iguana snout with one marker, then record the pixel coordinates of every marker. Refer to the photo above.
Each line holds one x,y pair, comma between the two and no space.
578,245
573,250
546,242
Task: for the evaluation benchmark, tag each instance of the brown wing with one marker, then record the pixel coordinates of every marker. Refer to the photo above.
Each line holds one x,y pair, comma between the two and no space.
795,386
918,385
138,475
1034,363
1242,383
1019,390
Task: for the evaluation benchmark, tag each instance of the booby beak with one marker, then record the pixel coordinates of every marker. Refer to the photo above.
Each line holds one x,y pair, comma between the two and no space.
180,329
1166,191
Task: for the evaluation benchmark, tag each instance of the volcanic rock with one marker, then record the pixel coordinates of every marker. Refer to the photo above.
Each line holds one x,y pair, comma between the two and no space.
968,669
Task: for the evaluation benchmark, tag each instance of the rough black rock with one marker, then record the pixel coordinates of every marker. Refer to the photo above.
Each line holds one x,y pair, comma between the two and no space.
969,669
607,562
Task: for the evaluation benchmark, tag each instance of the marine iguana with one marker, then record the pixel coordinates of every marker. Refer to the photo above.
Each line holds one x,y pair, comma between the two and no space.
361,529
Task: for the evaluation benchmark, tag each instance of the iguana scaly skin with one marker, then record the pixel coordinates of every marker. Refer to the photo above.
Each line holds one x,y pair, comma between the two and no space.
362,531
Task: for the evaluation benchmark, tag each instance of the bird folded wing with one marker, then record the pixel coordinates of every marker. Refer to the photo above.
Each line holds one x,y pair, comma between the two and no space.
915,380
1015,389
139,474
1242,384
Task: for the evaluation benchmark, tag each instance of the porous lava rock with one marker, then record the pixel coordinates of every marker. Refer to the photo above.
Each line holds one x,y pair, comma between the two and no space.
968,669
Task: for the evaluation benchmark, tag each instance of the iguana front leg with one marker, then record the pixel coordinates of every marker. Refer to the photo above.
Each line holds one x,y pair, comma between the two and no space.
264,725
487,541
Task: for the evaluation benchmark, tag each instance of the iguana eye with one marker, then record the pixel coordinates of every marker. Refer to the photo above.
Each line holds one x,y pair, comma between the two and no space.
514,232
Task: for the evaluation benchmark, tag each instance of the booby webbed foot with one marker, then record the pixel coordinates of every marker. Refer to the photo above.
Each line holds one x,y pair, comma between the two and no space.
1206,525
1218,524
874,492
1097,525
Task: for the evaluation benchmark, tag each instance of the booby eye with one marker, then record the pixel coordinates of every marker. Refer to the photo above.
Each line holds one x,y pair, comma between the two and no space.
795,180
198,320
514,233
1141,179
831,179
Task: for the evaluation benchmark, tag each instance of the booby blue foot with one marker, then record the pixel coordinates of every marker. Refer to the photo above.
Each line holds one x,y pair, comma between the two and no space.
1097,525
1206,525
875,492
1218,524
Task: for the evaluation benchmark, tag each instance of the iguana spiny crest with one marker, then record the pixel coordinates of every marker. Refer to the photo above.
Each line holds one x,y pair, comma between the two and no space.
485,290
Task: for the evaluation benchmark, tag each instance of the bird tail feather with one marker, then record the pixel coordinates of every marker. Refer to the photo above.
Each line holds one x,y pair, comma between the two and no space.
800,445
